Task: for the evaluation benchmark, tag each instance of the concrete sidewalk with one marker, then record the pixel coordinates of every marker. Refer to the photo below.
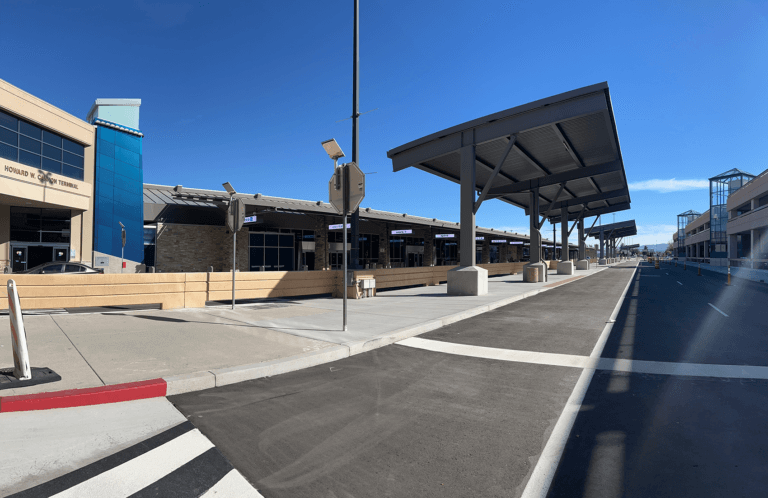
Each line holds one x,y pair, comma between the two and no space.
198,349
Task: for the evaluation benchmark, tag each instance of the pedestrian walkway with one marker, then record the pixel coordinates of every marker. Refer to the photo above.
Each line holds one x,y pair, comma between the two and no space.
736,271
196,349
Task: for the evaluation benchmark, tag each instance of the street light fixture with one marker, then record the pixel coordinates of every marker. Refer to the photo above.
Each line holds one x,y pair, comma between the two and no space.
334,152
231,190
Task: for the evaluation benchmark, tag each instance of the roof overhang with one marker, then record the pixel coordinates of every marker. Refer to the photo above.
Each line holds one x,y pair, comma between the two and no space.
566,147
615,230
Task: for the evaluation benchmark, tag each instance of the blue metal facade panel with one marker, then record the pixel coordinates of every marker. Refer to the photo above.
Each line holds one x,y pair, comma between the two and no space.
119,183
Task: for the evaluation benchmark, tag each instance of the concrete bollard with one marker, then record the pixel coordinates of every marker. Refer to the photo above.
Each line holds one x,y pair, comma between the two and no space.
531,274
729,275
21,368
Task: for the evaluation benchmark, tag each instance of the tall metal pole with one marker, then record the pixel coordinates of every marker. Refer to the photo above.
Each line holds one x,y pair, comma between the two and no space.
234,254
345,186
355,135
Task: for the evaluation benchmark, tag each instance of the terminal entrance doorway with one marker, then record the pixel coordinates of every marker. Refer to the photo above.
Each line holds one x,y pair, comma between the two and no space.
26,257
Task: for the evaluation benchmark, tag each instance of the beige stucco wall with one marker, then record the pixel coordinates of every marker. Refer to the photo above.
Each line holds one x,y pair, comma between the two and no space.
698,222
756,188
22,185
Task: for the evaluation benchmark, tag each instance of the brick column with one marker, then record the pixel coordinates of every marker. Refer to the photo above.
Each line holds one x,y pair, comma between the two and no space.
504,253
383,255
321,243
485,257
429,247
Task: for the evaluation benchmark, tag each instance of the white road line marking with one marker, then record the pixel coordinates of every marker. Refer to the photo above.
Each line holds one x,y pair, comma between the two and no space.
590,362
717,309
140,472
231,485
679,282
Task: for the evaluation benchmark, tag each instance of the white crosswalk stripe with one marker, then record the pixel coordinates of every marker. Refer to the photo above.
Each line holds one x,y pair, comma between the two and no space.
178,462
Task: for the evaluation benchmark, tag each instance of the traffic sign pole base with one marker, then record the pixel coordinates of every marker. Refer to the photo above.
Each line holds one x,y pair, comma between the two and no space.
39,376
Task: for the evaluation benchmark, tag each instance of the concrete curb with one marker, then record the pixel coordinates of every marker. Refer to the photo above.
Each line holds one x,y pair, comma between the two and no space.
207,379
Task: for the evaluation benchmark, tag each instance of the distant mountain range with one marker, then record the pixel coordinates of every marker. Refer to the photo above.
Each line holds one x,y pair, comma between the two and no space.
656,248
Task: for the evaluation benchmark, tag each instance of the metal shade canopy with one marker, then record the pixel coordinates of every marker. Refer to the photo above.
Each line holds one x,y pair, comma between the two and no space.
566,146
615,230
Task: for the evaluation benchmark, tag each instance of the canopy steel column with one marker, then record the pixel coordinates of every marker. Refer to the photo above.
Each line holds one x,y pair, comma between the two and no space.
467,279
535,246
564,252
602,247
565,266
467,237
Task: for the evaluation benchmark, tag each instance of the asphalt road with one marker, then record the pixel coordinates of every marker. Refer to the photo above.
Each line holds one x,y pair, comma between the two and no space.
400,421
403,421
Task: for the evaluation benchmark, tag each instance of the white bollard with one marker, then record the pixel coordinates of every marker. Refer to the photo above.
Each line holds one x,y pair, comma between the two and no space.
21,368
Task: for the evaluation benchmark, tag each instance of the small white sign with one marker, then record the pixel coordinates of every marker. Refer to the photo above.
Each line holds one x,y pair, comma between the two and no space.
72,254
479,238
515,242
101,262
251,219
401,232
338,227
500,241
444,235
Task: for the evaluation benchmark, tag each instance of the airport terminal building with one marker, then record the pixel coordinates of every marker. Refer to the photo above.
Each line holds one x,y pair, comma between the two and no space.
68,186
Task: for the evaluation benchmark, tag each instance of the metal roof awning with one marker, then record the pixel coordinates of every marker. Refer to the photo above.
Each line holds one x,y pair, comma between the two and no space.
566,146
615,230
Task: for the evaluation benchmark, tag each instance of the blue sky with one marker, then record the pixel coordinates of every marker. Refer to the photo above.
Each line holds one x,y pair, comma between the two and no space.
246,91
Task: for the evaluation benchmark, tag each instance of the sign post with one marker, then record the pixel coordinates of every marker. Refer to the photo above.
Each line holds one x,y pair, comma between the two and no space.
122,251
346,190
235,220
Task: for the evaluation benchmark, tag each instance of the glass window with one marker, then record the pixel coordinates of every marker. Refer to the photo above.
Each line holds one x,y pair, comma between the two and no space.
52,152
30,130
286,240
29,144
74,148
257,239
51,138
74,269
29,159
9,137
149,235
8,152
51,165
52,269
73,172
257,258
9,121
73,159
271,240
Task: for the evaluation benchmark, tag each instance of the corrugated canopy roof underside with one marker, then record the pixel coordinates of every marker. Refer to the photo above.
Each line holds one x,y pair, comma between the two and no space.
615,230
555,136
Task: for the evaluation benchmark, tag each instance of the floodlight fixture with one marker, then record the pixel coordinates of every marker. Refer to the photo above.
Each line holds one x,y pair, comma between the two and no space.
228,187
121,224
333,149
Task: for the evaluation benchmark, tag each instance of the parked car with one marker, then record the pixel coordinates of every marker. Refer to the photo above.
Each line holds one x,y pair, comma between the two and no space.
61,267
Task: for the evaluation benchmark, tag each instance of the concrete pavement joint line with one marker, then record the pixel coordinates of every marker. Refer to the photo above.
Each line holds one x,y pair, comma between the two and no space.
78,352
541,478
717,309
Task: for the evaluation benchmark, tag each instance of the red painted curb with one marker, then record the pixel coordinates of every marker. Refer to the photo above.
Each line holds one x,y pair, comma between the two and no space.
83,397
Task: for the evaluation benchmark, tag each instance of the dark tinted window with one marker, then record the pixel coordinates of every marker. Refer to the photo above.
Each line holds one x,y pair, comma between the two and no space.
257,239
29,159
51,138
29,144
51,165
9,137
8,152
52,152
286,241
74,269
73,172
74,148
52,269
73,159
9,121
270,239
30,130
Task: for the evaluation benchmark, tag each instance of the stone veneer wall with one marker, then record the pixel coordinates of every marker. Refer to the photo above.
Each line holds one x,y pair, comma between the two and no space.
321,243
485,254
195,248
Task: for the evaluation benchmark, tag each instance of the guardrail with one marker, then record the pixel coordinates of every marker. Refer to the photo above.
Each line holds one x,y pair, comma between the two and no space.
192,290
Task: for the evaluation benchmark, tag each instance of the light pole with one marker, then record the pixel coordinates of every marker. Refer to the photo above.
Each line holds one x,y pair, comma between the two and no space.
228,187
122,251
334,152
